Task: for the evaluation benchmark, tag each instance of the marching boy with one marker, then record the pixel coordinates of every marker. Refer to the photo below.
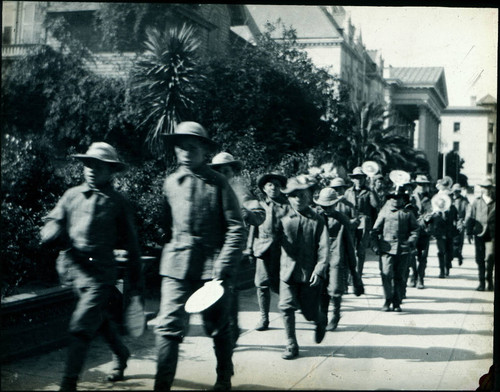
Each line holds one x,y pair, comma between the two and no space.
394,234
205,237
303,263
86,223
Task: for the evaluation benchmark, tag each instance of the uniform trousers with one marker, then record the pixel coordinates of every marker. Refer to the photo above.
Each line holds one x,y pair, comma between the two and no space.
485,259
392,272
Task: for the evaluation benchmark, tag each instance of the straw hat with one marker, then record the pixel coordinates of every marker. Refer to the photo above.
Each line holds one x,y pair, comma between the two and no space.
486,183
224,158
103,152
441,202
456,188
327,197
269,177
191,129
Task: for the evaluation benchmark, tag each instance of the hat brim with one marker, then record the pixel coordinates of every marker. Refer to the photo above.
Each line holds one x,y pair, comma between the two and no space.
174,138
269,177
298,187
237,165
327,204
117,165
352,175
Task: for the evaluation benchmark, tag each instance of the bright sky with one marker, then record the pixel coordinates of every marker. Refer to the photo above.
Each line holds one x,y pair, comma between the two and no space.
462,40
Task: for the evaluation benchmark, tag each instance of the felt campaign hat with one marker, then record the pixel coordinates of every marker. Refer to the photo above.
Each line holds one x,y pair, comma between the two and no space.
486,183
191,129
103,152
421,179
269,177
206,296
337,183
297,183
357,172
224,158
327,197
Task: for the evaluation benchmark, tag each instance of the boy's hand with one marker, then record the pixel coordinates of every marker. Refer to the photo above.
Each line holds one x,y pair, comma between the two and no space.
315,280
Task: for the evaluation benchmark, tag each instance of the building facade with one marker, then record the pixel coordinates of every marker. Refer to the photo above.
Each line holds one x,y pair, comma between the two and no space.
471,131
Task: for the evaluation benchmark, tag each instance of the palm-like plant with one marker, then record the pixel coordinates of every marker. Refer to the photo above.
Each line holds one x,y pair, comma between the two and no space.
370,140
164,77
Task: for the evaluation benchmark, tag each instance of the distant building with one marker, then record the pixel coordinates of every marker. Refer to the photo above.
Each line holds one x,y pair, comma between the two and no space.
413,95
23,28
471,131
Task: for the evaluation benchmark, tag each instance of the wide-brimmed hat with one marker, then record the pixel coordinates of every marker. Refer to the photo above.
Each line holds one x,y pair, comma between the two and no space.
456,188
224,158
327,197
103,152
337,183
421,179
297,183
191,129
269,177
441,202
357,172
486,183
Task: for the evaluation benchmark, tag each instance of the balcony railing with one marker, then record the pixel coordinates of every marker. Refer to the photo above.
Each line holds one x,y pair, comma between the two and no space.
17,50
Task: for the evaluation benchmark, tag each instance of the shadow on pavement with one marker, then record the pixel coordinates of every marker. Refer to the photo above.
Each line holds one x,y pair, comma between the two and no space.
424,331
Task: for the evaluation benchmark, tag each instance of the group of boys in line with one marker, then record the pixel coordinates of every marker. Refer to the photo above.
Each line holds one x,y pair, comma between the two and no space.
308,244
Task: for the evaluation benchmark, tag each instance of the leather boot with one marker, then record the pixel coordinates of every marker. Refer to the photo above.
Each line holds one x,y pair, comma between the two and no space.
264,300
332,325
224,354
168,354
292,348
121,354
76,355
482,280
68,384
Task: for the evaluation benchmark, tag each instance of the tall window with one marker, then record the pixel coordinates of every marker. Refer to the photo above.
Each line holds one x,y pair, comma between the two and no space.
7,35
490,168
490,127
456,146
456,127
490,147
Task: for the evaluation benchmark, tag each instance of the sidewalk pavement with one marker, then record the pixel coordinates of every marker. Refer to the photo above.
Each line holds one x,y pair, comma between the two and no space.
443,340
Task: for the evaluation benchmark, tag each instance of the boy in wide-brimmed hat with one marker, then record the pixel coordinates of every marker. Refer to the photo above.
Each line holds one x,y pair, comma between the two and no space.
481,224
204,241
251,211
86,225
303,262
394,234
422,206
342,255
266,246
366,204
462,205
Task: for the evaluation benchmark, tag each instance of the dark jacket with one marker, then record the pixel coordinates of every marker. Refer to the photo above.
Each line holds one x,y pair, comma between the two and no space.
203,226
477,221
366,203
395,231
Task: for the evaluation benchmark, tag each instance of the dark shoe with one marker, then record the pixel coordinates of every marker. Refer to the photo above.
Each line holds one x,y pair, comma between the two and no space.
291,352
222,384
441,276
397,309
413,282
386,307
263,325
490,286
480,287
460,261
447,273
117,373
68,384
420,285
332,325
320,331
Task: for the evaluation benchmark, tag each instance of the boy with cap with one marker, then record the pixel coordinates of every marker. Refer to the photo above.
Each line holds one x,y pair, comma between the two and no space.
251,211
342,255
303,262
204,240
366,203
266,246
462,205
394,234
480,224
87,223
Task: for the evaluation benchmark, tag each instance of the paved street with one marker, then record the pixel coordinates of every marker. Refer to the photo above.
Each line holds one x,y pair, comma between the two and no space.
443,340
